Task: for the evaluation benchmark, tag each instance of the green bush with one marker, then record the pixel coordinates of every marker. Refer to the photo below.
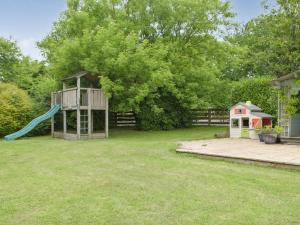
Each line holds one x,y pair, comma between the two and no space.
258,90
162,113
15,108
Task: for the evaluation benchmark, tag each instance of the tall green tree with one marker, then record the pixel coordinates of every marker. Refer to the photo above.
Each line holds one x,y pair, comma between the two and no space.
17,68
269,44
9,56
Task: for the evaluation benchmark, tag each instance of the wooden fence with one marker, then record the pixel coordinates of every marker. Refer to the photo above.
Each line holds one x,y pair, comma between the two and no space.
210,117
126,119
201,117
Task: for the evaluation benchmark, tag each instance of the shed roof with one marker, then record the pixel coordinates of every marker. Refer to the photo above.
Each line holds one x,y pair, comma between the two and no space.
81,74
261,115
249,106
289,76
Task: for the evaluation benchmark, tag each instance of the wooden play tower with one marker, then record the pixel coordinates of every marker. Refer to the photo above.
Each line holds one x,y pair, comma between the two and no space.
84,109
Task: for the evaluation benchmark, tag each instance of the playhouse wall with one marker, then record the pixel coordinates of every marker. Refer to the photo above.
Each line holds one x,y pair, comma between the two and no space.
238,132
235,132
245,112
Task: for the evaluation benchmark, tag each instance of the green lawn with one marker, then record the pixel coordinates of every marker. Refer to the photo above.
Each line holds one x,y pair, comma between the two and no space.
138,178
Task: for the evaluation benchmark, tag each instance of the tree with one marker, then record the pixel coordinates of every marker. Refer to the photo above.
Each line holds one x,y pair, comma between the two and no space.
157,58
9,56
270,43
17,68
25,71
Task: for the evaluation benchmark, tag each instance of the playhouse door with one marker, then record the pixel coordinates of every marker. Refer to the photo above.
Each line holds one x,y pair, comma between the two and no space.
235,128
245,127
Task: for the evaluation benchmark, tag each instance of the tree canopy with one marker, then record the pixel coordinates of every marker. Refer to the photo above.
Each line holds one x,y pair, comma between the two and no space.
9,56
145,52
270,43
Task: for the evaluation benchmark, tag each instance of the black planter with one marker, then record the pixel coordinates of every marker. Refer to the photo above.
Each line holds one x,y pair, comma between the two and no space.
278,139
270,138
261,137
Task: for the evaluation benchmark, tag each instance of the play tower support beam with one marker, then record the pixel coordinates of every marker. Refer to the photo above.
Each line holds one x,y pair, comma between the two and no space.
64,112
89,113
52,118
106,118
78,107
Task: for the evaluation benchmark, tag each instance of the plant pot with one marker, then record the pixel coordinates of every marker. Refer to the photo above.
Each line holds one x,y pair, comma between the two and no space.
261,137
278,139
270,138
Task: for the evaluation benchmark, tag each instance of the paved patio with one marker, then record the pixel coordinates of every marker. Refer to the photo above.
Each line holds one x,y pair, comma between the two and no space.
244,149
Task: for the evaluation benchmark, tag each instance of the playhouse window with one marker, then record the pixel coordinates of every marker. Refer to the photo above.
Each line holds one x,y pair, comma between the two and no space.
235,123
245,122
240,111
266,122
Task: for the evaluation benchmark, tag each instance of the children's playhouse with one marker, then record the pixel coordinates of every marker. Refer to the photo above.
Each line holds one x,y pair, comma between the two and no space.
246,118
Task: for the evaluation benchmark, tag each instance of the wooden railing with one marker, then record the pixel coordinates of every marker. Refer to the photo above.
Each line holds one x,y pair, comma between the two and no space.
56,98
98,100
69,98
92,97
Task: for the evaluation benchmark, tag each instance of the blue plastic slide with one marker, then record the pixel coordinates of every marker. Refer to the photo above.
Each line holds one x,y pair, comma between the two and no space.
54,109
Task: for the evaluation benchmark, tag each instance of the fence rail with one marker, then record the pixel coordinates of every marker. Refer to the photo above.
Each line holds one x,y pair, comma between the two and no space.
126,119
200,117
210,117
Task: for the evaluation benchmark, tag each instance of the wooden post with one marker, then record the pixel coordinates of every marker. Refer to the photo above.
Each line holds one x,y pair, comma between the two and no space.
62,95
52,118
92,122
62,100
209,116
106,118
89,113
278,108
65,122
78,107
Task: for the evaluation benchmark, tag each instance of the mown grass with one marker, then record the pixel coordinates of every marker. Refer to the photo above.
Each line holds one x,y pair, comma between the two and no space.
138,178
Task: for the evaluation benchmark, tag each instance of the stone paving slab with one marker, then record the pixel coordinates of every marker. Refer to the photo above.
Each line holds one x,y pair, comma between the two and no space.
244,149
